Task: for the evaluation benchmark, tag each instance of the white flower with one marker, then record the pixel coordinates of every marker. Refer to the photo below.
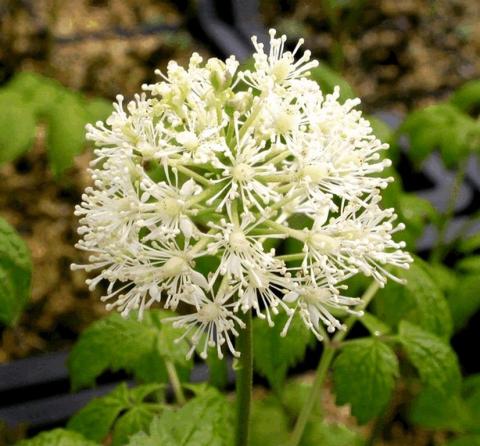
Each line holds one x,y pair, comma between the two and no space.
212,324
314,302
266,198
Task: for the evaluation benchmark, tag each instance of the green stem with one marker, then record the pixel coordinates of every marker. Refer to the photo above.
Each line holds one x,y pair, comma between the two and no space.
307,408
438,250
175,382
244,377
323,366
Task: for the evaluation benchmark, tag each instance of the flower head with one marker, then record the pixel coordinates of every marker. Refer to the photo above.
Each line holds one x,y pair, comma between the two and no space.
274,190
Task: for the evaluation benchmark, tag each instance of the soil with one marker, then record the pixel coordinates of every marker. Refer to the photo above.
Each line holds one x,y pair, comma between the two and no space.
395,54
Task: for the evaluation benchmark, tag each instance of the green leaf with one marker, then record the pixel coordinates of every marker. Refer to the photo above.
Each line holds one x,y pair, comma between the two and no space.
468,440
445,278
467,97
419,301
464,300
39,92
470,244
218,371
416,213
58,437
137,346
15,274
263,431
95,420
469,264
433,358
135,420
330,434
328,79
444,127
17,126
471,395
374,325
204,421
439,412
98,109
274,354
66,132
374,367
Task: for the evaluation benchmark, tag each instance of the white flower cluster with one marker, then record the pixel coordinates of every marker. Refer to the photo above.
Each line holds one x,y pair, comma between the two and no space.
199,181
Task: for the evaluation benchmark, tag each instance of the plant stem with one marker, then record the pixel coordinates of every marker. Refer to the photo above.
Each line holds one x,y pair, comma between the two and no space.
307,408
438,250
323,366
175,382
244,381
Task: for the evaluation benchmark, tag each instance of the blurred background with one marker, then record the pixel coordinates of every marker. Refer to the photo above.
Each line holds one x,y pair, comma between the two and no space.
63,61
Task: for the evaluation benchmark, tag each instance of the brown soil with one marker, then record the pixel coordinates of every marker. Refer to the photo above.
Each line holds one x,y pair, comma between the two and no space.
396,54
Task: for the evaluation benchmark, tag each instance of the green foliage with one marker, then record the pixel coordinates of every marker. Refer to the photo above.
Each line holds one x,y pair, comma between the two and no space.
66,132
29,98
264,432
38,92
204,421
17,126
123,410
328,79
137,346
274,354
433,358
15,274
464,300
467,440
419,300
364,376
441,412
444,127
467,97
58,437
415,212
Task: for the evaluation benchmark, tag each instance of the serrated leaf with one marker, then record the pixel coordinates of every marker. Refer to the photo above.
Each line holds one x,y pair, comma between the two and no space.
118,343
66,132
330,434
420,300
95,420
444,127
58,437
464,301
274,354
374,367
433,358
17,126
439,412
203,421
15,273
135,420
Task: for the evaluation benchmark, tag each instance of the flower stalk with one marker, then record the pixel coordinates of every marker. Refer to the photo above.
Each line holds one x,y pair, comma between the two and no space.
244,381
